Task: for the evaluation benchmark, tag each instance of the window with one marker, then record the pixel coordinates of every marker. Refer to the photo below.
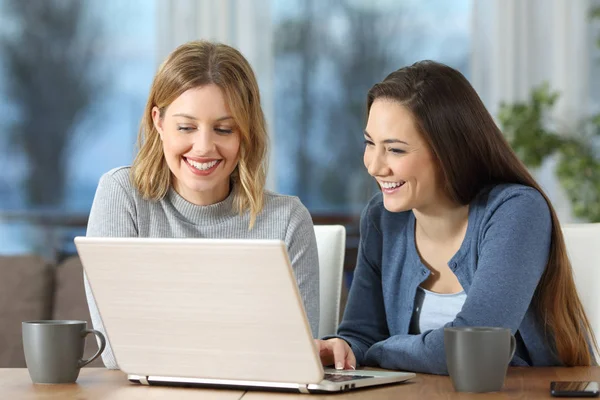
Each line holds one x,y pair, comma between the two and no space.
75,76
88,67
327,55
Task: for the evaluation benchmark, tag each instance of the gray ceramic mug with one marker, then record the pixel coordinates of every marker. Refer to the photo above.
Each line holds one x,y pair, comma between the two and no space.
54,349
477,357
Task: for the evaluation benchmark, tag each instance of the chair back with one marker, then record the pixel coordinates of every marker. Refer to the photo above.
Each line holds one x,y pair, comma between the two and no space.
331,245
583,248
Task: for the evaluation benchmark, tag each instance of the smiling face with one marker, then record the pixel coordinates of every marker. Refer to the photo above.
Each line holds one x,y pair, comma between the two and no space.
201,144
397,156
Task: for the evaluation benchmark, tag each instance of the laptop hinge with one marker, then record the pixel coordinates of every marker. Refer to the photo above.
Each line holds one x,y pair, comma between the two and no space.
144,380
303,389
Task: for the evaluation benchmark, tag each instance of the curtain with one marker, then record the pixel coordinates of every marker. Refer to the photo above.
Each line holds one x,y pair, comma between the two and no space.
517,45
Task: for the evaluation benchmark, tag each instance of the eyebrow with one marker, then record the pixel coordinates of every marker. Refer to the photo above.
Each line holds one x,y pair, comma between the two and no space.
188,116
387,141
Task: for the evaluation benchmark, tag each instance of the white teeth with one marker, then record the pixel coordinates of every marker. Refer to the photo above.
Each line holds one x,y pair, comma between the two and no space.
202,166
390,185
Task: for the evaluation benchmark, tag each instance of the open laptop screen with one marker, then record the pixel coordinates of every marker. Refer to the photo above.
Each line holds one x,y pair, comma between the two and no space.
211,308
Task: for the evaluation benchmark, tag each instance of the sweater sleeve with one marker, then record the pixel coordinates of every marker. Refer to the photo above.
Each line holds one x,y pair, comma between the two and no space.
302,250
112,215
364,321
513,254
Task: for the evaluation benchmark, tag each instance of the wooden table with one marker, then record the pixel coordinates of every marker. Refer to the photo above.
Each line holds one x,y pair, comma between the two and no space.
99,383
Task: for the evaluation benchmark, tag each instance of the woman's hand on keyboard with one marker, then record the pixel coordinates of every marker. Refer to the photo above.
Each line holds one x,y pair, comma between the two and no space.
336,352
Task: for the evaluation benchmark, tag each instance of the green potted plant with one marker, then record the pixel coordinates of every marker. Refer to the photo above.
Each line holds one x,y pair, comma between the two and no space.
578,151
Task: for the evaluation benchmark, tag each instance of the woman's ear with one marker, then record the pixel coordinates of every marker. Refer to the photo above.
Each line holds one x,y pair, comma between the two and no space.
157,120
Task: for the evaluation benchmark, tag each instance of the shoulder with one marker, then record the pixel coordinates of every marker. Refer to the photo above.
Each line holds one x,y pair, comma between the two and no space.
284,205
291,217
512,196
117,177
513,203
114,209
115,186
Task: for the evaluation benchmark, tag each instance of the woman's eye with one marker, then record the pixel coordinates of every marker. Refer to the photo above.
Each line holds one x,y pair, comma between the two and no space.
185,128
223,130
396,151
368,143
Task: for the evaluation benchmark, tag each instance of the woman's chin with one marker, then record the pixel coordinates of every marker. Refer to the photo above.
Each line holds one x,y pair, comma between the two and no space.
394,205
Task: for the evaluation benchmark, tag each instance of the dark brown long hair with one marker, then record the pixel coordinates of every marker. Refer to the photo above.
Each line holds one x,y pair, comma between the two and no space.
472,153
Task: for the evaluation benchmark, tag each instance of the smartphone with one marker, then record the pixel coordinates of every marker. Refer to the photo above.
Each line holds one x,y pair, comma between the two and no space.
574,389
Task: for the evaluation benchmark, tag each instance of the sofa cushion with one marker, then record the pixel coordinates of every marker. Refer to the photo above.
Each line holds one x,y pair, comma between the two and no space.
26,284
70,301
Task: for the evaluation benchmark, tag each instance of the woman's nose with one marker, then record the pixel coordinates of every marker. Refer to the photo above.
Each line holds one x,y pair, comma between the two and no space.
203,141
376,166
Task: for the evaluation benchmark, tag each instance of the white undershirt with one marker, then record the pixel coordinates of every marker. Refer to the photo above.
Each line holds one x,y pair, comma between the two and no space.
434,310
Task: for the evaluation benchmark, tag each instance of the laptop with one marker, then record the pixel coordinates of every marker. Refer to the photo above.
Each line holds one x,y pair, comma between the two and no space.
210,313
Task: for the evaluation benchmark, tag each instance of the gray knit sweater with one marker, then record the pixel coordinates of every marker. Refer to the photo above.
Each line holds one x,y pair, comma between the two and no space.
119,211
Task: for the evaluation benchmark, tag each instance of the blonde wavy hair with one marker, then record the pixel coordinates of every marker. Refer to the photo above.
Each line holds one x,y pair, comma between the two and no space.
193,65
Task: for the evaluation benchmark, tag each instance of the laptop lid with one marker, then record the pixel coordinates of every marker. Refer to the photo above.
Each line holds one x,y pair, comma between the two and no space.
209,308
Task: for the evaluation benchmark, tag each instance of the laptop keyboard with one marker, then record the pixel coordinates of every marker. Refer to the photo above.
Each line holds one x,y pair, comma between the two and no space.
344,377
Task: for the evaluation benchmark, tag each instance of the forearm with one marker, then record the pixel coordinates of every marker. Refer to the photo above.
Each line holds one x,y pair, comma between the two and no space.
418,353
423,353
305,263
309,291
365,319
302,251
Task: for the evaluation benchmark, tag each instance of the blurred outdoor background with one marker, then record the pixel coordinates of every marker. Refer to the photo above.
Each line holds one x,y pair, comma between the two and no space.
74,76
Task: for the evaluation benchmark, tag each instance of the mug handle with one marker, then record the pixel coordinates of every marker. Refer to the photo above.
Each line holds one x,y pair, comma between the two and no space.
102,339
513,347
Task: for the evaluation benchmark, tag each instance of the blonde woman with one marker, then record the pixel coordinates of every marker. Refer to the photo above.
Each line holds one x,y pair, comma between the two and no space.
200,170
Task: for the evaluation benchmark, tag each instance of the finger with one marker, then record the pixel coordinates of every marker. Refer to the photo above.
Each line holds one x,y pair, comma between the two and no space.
350,360
339,353
325,353
318,345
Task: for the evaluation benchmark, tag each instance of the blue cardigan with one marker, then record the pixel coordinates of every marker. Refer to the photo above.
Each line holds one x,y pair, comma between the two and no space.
499,264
